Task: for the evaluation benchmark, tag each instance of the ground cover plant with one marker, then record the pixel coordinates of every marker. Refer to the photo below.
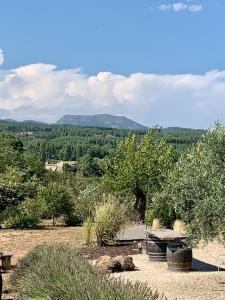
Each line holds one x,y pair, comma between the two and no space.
59,272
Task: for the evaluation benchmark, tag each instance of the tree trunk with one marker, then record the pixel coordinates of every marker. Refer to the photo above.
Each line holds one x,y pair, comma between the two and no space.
140,205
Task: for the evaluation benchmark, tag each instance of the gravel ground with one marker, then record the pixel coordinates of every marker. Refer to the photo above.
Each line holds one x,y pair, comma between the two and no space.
204,282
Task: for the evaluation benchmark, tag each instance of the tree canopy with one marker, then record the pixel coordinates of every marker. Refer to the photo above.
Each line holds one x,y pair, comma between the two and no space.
196,187
139,168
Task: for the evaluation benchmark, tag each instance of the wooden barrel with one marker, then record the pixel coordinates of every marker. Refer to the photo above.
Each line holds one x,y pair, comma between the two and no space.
178,257
156,248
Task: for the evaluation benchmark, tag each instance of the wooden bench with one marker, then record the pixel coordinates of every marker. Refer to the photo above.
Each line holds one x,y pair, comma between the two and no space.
5,257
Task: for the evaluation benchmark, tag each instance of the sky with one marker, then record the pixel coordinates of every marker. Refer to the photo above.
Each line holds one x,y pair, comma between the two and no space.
154,61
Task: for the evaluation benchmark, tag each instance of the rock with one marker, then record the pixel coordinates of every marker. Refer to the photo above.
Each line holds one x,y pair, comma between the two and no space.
108,264
126,262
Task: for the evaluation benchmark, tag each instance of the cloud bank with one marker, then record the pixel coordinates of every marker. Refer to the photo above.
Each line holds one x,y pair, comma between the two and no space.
43,92
1,57
181,6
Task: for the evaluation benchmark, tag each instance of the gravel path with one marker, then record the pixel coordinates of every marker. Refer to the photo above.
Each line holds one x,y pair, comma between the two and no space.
204,282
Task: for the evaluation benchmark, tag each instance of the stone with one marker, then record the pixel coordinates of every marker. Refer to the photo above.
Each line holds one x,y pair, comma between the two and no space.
126,262
108,264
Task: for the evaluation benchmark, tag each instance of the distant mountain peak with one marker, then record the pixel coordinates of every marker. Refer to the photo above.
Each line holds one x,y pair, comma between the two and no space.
101,120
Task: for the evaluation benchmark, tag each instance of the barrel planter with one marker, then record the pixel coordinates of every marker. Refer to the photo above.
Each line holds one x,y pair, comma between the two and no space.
179,258
156,248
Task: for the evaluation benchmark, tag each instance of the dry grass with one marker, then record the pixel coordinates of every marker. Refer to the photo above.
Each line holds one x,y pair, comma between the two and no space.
180,226
20,242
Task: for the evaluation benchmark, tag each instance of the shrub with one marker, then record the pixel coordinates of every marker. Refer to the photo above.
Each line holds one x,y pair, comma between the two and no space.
163,210
109,217
160,209
85,203
58,272
25,215
55,202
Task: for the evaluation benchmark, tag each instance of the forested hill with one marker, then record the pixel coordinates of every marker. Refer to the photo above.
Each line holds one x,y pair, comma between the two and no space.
101,120
68,142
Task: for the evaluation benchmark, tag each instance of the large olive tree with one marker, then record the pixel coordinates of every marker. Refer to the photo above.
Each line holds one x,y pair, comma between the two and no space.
196,187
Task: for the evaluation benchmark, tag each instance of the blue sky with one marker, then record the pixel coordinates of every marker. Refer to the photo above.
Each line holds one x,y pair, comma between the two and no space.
132,44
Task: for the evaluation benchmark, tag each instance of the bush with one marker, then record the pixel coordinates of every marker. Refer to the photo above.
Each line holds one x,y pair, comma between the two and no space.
160,209
58,272
85,203
109,217
55,202
25,215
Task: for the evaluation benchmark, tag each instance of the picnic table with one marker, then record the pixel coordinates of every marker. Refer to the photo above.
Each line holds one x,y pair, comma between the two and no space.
165,234
157,240
168,245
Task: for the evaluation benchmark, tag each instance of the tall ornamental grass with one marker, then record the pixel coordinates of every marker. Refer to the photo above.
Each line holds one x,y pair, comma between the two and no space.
110,216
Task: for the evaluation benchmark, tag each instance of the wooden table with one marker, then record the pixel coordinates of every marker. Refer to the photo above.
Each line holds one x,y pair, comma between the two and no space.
157,240
165,234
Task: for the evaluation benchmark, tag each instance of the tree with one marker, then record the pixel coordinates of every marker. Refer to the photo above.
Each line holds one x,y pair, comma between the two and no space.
15,187
196,188
138,169
87,166
20,172
55,201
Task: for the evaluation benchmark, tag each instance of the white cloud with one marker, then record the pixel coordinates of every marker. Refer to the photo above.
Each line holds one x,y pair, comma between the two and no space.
42,92
165,6
1,57
195,8
181,6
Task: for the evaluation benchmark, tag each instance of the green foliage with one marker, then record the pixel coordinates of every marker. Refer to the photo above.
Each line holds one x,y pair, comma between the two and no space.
87,166
86,202
109,218
55,201
24,215
13,155
59,272
15,187
139,169
162,209
196,188
65,142
20,173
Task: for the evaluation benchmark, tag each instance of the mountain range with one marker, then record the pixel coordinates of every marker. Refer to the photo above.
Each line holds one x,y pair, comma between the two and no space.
101,120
